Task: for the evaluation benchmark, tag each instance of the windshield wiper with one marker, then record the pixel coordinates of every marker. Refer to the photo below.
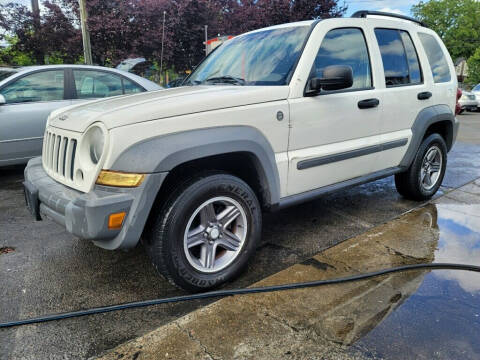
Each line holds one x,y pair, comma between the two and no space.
226,79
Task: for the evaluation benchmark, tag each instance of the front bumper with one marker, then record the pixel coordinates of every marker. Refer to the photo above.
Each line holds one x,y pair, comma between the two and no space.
85,215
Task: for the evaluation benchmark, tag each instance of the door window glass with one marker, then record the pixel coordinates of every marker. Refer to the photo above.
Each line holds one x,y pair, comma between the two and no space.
345,46
39,86
96,84
400,61
436,58
131,88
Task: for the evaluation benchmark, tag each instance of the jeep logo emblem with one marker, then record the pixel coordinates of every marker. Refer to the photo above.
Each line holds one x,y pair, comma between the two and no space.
63,117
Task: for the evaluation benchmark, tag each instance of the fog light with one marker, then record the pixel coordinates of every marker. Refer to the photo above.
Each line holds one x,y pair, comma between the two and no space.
116,178
115,220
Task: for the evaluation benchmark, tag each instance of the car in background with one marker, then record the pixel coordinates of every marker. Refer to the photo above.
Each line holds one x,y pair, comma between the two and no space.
29,94
476,91
175,83
468,101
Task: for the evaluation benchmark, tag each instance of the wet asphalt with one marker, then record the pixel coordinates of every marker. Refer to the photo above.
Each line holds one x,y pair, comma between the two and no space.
50,271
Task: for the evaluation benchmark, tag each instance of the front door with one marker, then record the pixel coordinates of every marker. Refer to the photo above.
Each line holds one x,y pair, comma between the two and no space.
29,101
335,136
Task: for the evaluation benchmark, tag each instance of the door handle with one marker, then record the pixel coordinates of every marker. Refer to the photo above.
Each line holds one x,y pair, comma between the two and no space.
424,95
368,103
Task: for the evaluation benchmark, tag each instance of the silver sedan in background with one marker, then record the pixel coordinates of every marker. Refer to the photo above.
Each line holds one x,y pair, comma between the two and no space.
28,95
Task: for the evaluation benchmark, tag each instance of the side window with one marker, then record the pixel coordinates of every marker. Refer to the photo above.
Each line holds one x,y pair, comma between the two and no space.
345,46
39,86
130,87
436,58
92,84
399,57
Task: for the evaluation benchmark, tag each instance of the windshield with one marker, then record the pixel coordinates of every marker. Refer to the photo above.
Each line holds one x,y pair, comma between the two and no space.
260,58
477,88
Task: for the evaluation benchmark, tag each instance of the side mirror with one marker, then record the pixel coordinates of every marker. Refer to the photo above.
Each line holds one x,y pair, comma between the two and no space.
335,77
2,100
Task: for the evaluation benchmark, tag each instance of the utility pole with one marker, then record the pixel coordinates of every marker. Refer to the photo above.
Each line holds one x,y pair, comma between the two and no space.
163,38
87,49
206,39
38,53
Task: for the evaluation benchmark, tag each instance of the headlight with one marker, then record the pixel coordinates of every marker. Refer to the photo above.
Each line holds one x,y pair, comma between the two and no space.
97,143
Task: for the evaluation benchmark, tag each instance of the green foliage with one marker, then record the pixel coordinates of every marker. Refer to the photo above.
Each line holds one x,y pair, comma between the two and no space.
457,22
474,68
12,56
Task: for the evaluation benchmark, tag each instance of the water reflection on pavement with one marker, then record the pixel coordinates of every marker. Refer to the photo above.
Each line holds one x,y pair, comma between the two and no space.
441,318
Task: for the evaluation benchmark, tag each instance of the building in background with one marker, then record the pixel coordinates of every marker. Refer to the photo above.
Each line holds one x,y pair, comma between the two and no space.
216,41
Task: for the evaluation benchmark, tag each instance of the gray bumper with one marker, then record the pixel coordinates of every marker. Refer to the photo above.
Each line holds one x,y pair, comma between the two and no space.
86,215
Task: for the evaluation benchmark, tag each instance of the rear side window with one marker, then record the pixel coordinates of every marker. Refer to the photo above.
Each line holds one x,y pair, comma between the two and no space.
345,46
92,84
130,88
436,58
399,57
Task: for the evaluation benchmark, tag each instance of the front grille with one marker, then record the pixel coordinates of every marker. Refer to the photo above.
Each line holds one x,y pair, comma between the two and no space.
471,97
59,155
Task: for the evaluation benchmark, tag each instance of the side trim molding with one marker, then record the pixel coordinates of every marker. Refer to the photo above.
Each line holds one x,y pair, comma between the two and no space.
312,194
306,164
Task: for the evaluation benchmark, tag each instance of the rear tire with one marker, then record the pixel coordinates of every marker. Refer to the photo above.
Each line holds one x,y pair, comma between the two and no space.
206,232
425,175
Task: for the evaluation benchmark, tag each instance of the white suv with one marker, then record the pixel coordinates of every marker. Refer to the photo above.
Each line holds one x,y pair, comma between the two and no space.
272,118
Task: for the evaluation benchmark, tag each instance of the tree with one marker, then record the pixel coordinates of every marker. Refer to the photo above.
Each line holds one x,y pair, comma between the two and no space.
127,28
457,22
54,35
474,68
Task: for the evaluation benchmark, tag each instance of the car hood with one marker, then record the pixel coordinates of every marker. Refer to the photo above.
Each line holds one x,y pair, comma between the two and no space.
126,110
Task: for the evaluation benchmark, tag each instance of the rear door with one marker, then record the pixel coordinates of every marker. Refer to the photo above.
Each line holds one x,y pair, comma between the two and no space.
29,101
404,91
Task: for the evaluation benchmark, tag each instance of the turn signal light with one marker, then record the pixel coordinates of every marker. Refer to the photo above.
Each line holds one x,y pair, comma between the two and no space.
121,179
115,220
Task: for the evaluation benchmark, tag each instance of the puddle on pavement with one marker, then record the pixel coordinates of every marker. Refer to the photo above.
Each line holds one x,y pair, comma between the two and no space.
421,314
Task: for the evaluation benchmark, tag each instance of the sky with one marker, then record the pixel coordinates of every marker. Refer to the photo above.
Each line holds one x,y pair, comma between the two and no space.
395,6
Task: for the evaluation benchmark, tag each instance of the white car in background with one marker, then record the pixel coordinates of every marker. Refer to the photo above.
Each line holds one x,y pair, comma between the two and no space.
29,94
476,92
469,101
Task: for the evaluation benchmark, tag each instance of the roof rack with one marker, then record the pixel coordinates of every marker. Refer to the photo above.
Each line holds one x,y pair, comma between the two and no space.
364,13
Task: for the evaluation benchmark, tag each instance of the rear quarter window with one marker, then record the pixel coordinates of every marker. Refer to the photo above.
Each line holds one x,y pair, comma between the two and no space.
436,58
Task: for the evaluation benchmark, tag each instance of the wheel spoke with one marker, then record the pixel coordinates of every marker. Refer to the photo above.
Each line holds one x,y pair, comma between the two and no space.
428,179
229,241
195,237
207,255
435,167
207,215
228,215
432,155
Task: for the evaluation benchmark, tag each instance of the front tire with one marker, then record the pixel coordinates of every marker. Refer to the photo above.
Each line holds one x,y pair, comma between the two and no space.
425,175
206,232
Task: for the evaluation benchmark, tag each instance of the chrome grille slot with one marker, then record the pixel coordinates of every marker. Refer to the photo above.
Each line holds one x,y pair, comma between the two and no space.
58,156
72,165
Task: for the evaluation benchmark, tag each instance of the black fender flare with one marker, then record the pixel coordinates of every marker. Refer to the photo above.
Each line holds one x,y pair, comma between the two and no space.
425,118
163,153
